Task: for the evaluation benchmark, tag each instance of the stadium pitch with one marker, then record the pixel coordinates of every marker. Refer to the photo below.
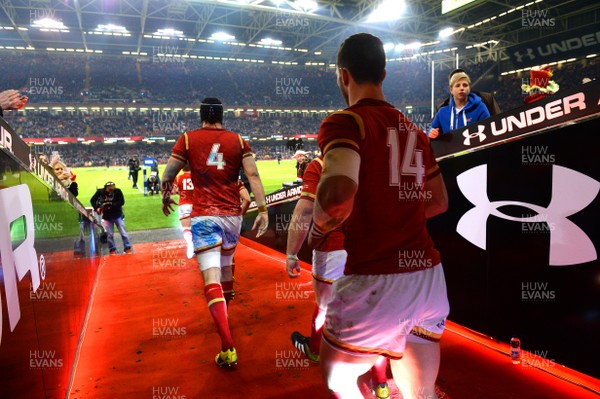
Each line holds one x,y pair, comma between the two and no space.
145,212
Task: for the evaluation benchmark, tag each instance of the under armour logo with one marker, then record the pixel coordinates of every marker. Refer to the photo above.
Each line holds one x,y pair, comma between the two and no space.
479,134
571,192
520,56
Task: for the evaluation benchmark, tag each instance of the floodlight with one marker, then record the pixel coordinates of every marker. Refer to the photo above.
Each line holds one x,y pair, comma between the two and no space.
111,28
446,32
48,23
388,10
222,37
169,32
413,46
267,41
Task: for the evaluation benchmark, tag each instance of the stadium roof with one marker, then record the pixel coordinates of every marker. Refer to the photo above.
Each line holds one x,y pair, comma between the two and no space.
287,31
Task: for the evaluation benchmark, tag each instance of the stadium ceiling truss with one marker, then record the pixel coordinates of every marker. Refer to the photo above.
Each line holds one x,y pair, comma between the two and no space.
482,30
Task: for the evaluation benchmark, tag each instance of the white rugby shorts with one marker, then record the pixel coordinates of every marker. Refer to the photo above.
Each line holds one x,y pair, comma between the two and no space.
185,211
214,231
377,314
328,266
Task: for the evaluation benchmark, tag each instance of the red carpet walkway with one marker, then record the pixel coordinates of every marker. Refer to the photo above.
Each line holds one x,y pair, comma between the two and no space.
150,335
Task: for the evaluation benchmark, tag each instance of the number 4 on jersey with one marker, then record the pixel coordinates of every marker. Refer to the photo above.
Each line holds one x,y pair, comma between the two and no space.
411,163
215,158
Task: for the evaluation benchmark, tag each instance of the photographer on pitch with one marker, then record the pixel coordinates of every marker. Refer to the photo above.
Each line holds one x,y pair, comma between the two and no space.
134,169
154,179
108,203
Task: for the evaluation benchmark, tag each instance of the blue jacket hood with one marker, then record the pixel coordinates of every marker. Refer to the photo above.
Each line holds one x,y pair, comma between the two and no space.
448,118
473,102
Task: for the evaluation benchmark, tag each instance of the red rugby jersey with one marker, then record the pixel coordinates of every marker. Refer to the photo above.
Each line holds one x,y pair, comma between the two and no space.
215,157
312,175
185,188
386,231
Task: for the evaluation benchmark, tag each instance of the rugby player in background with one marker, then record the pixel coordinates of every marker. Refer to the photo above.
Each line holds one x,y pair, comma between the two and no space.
215,156
327,266
185,189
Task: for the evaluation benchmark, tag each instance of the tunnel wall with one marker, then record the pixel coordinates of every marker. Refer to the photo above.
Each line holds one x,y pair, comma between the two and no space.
49,256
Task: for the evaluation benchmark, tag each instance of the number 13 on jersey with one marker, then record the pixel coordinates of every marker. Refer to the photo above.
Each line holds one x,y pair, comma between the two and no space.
411,162
187,184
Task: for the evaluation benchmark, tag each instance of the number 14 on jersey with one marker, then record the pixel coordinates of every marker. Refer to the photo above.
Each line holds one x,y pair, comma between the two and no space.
409,164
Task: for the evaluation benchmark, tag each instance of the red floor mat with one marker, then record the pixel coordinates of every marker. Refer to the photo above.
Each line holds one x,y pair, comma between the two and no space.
150,335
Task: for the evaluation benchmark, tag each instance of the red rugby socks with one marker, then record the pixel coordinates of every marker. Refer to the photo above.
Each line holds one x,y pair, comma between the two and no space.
218,311
379,371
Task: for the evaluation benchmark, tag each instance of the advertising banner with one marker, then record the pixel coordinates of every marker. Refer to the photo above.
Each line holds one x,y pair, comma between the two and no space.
520,243
554,47
549,112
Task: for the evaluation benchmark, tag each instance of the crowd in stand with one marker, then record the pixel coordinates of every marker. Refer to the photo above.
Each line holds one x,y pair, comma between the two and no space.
77,79
118,154
89,80
107,155
48,124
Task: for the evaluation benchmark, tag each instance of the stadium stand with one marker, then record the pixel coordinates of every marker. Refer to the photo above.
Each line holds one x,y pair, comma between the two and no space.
89,82
80,79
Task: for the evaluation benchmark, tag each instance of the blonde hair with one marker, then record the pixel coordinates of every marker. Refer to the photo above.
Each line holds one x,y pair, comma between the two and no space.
61,164
67,181
458,76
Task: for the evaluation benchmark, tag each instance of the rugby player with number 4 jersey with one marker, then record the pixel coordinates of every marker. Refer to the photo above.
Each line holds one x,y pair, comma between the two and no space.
215,156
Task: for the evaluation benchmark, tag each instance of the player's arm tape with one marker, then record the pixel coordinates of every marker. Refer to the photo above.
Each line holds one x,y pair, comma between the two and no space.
262,206
342,161
339,161
292,257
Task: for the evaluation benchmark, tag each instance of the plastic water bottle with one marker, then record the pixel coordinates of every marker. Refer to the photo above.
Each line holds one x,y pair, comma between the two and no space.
515,350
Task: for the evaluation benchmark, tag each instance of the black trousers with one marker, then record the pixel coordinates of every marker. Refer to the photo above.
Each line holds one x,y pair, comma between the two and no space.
134,176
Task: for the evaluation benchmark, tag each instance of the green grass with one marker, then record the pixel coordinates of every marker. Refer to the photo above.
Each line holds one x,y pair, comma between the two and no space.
272,174
145,213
